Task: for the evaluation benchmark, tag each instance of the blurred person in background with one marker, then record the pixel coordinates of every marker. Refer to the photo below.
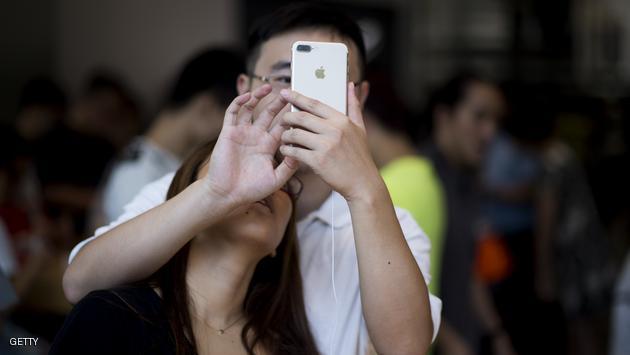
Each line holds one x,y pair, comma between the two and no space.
8,258
410,178
511,174
55,154
192,114
463,116
74,155
42,105
19,191
106,109
25,257
22,248
7,300
620,322
8,263
619,167
41,108
10,275
573,263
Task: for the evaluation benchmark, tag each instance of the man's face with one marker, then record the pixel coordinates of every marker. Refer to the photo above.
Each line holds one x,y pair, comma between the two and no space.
473,122
274,61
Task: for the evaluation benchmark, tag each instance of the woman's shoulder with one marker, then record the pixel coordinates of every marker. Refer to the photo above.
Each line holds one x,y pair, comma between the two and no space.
120,319
139,301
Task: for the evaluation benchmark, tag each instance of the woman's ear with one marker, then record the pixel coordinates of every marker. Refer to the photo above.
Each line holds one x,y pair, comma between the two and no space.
243,84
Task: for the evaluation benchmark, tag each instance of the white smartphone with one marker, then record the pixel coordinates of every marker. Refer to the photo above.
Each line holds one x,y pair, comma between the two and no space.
319,70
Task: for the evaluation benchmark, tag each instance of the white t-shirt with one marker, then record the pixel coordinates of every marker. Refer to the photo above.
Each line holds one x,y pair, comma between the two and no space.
338,327
142,162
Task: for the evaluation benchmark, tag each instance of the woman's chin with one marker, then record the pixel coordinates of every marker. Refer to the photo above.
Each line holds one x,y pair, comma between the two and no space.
260,235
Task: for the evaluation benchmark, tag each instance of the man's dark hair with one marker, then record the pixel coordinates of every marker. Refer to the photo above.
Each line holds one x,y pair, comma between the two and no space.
104,80
449,95
42,91
212,71
454,90
299,16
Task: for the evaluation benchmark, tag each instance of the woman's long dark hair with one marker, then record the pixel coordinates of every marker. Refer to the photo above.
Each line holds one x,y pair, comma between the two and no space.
274,303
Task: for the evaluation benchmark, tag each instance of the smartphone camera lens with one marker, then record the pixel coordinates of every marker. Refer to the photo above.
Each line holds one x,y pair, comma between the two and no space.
303,48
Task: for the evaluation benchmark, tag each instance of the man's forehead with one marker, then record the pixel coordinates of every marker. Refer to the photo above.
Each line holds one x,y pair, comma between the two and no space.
275,53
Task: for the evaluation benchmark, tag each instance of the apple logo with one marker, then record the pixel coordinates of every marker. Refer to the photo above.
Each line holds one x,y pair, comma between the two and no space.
320,73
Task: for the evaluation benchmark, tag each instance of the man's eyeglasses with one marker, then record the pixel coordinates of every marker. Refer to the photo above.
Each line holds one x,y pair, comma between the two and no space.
279,81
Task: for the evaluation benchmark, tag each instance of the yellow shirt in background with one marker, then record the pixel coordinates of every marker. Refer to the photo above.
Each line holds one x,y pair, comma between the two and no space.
414,185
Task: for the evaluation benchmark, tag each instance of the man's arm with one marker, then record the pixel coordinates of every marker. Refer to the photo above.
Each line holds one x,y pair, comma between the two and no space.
394,294
414,186
393,291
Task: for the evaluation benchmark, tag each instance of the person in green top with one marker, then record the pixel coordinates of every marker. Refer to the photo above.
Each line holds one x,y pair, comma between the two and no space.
410,177
414,186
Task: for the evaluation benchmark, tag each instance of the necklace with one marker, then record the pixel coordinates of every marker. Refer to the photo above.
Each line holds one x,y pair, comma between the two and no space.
220,331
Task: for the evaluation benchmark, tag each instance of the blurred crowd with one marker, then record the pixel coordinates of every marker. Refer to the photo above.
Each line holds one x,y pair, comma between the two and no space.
529,216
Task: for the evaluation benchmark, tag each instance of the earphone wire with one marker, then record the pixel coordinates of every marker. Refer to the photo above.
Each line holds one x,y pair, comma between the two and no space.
332,273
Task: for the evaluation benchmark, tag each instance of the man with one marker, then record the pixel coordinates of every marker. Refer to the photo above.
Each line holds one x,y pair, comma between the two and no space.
72,157
107,109
192,115
464,114
380,294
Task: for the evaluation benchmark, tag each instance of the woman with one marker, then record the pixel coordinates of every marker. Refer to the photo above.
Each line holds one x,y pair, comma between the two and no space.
234,288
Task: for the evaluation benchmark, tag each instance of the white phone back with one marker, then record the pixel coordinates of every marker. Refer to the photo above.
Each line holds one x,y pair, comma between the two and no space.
327,58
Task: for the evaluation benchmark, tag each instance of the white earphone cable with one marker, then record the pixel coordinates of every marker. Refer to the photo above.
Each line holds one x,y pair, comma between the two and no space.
332,274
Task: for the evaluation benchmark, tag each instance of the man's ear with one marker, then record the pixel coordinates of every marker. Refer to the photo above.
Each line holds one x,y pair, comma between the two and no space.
364,91
243,84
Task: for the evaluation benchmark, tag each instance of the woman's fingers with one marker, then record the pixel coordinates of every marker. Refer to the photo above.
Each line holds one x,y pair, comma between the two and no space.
285,170
247,110
272,109
276,131
235,106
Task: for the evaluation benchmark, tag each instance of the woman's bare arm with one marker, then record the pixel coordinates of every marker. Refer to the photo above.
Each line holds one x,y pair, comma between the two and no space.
241,170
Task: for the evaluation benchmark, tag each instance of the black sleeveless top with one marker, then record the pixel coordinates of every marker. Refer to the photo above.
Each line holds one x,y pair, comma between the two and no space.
129,320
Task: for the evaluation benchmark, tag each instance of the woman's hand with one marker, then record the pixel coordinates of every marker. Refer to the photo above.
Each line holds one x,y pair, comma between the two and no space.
332,144
242,168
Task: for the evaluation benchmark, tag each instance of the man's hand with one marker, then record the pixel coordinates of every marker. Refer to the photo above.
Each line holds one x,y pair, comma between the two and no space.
242,167
332,144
